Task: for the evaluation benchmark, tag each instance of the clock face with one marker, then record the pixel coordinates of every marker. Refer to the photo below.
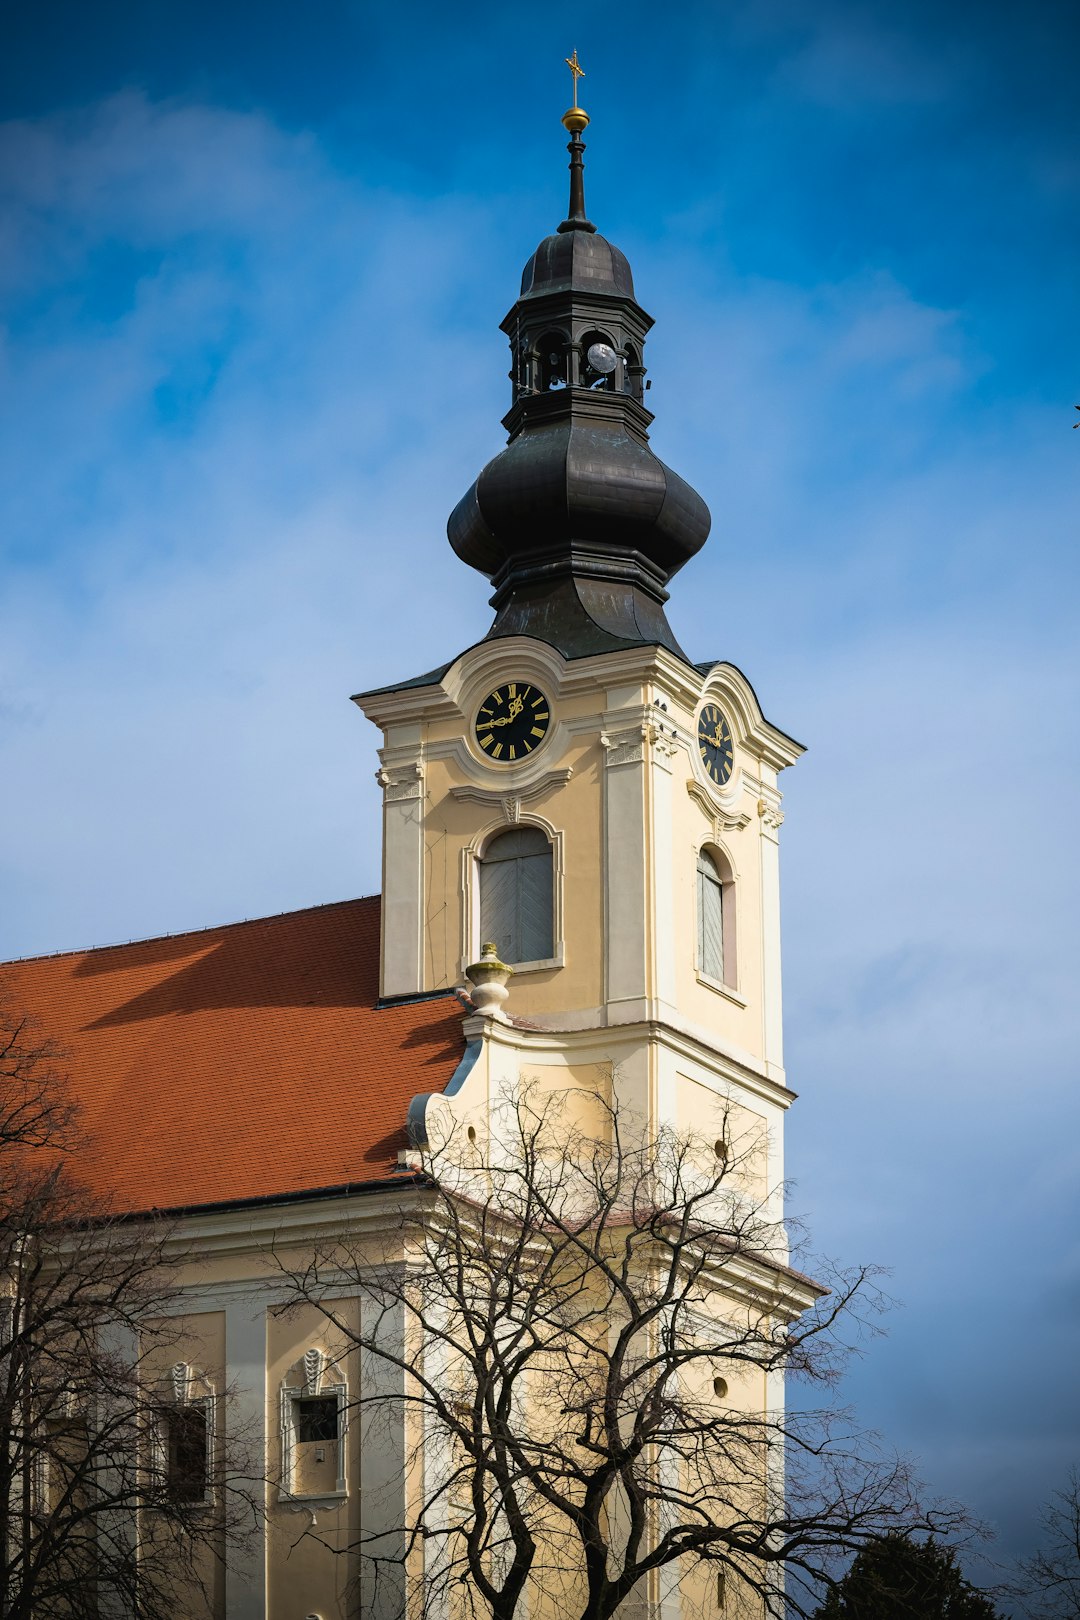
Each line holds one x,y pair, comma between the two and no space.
714,744
512,721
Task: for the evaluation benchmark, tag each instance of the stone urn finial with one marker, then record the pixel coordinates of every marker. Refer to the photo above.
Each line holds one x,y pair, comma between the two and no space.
488,979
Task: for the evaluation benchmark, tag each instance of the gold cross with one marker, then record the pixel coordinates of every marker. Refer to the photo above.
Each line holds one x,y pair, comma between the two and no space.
576,69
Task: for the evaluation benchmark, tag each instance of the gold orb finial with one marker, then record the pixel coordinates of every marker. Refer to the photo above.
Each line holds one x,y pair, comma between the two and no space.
575,118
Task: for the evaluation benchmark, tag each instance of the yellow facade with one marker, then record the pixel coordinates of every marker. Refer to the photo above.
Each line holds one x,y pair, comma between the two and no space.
619,1016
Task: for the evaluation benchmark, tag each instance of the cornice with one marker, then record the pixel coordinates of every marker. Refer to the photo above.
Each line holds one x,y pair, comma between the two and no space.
570,305
724,817
441,699
251,1231
737,1067
581,405
771,745
510,799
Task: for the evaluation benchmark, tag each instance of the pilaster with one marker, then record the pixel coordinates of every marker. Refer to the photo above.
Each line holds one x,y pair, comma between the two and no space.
402,782
245,1361
770,819
383,1453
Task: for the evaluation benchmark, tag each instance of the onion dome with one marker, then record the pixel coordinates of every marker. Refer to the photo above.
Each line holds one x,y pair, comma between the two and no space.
577,261
577,524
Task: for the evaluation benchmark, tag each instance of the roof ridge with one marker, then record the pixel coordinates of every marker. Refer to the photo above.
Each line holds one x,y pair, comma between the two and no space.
186,933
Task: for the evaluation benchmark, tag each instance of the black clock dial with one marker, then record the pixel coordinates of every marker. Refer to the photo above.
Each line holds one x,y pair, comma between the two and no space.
714,744
512,721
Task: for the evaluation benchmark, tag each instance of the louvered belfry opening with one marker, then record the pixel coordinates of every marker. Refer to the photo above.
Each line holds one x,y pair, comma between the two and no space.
710,917
516,895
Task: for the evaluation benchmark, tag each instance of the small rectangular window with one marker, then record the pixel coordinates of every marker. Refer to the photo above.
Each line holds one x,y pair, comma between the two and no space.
317,1419
313,1441
187,1453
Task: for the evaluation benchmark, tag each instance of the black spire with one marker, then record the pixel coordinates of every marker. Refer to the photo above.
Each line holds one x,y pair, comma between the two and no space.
576,119
577,524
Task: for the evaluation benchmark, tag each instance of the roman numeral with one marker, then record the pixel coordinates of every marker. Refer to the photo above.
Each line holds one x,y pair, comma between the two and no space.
486,742
538,731
496,751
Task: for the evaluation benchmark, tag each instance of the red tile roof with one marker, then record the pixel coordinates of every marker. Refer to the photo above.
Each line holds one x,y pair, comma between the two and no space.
238,1062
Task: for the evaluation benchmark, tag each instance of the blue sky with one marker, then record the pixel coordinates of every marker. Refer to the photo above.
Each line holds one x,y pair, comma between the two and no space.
252,265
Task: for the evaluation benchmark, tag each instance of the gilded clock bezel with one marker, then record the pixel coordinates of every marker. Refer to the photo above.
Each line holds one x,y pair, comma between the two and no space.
712,708
526,686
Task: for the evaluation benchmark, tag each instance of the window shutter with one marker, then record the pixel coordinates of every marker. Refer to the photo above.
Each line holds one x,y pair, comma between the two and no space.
710,918
516,909
498,907
534,907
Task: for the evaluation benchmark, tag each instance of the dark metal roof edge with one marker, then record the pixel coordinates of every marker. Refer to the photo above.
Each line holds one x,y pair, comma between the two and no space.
435,676
409,997
346,1189
706,668
431,678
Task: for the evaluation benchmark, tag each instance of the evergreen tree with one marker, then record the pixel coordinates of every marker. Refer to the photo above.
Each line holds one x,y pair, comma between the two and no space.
895,1578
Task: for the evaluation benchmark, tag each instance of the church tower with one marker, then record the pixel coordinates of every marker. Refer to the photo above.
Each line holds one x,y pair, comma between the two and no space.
575,789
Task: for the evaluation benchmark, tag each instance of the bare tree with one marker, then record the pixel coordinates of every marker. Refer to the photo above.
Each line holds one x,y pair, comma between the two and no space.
582,1339
1050,1588
116,1491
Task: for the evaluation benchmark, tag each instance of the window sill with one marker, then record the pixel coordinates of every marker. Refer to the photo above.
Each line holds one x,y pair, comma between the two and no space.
728,991
544,966
538,967
326,1499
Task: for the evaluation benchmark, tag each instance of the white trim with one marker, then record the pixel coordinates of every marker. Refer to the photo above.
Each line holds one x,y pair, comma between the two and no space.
510,802
725,990
183,1381
730,902
290,1396
473,853
538,967
401,969
450,696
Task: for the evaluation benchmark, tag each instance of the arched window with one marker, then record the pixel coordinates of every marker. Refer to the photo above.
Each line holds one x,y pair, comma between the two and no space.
633,372
710,918
516,908
553,360
599,361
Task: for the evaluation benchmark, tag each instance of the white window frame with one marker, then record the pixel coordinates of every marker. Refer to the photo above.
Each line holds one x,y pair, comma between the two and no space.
471,857
184,1380
314,1387
727,986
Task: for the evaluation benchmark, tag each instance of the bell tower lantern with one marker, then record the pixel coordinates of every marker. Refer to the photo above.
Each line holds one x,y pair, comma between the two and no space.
577,524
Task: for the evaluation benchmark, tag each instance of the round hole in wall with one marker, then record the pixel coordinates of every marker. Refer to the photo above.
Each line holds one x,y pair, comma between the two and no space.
471,1133
720,1148
719,1388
